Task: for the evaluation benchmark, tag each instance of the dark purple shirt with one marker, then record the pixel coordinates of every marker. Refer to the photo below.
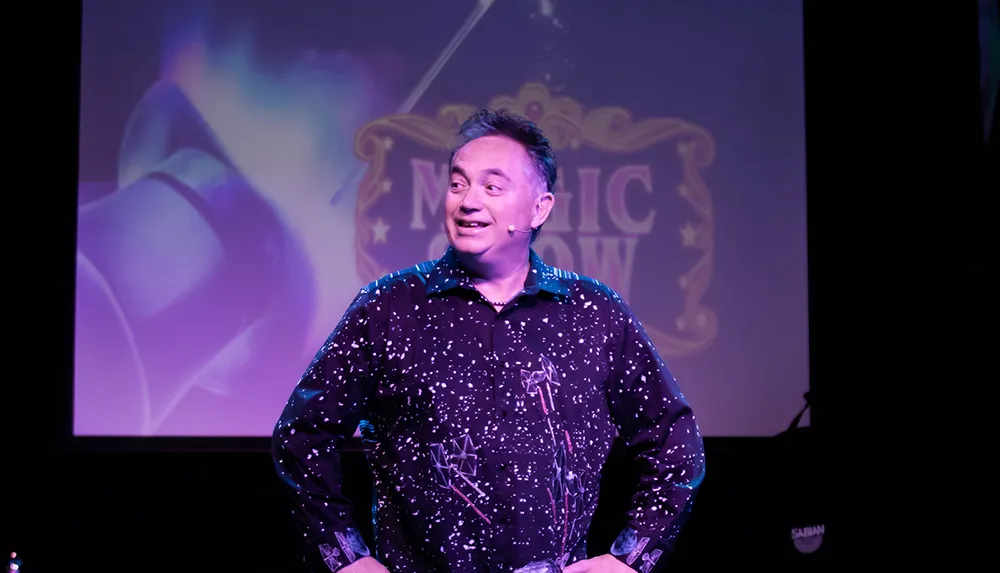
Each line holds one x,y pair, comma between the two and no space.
489,429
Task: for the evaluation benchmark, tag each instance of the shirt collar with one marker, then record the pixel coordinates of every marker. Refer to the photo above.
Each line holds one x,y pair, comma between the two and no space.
448,273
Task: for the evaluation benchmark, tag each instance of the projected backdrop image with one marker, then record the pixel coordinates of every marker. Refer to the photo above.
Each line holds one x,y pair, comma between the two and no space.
245,167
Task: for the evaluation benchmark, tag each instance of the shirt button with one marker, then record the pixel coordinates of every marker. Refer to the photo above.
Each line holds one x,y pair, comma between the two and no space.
501,466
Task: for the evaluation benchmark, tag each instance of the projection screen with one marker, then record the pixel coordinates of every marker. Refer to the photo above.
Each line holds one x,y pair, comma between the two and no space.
246,166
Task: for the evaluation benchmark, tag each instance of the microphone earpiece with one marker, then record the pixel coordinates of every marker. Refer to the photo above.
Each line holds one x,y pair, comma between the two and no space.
513,229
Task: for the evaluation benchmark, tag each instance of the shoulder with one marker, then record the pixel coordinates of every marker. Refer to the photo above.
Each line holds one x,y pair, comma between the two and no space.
403,279
597,302
590,298
588,287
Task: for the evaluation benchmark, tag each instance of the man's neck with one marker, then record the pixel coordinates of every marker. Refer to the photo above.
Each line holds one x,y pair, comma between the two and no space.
499,280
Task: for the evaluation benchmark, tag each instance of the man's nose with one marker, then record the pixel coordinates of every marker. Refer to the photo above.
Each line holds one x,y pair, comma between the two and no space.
473,199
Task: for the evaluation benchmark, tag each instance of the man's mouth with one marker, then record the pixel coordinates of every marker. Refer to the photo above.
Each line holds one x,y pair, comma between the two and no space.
472,224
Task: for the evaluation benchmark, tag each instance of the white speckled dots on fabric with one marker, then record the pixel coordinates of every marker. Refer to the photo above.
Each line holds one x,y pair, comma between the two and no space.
490,428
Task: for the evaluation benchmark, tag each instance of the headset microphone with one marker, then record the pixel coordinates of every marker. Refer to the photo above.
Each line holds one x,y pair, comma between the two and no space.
513,229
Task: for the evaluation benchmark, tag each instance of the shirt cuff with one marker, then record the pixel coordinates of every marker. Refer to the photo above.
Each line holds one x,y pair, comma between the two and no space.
345,548
640,550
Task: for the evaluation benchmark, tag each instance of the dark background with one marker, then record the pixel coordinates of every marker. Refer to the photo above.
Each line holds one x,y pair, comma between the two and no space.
895,220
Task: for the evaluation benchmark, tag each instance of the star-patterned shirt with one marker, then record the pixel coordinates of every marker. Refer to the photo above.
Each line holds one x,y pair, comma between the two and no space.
488,429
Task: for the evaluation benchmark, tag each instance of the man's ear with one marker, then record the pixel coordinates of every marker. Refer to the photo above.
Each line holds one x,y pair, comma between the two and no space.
543,206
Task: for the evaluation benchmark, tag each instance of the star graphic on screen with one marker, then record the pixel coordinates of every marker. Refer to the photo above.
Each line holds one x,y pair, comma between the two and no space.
379,229
688,234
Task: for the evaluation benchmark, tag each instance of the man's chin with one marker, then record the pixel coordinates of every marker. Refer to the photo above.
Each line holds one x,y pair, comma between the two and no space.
470,247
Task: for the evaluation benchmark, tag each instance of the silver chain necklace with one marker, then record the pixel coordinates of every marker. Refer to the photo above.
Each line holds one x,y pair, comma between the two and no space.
499,302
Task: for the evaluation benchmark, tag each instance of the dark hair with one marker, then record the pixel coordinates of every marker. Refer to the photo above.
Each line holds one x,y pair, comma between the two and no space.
500,122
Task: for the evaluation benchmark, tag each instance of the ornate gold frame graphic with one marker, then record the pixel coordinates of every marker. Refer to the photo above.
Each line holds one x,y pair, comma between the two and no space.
607,129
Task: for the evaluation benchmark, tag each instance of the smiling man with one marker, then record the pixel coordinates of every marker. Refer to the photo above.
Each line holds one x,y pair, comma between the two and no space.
492,387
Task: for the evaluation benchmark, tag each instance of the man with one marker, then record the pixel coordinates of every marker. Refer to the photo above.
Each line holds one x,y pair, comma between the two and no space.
492,387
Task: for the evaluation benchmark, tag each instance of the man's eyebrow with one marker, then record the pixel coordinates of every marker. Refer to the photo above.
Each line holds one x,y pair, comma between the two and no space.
456,170
498,173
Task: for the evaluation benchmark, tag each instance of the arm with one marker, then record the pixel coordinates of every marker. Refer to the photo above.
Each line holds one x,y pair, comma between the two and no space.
660,431
324,409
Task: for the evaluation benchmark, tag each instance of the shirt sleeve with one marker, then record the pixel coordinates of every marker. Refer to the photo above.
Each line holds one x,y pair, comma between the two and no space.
662,436
325,408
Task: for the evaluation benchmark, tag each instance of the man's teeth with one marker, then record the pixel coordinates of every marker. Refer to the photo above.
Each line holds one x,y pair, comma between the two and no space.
472,224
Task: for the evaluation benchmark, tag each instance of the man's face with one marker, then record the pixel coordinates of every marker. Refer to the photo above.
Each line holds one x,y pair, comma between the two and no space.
493,185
